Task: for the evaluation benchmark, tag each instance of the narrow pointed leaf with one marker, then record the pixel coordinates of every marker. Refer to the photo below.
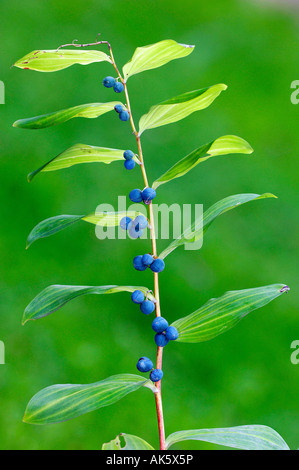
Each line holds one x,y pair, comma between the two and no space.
131,443
251,437
179,107
155,55
60,222
77,154
90,111
53,60
54,297
64,402
220,315
222,146
109,219
196,231
50,226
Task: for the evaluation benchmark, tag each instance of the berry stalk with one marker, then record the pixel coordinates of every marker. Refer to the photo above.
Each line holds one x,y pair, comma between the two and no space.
158,395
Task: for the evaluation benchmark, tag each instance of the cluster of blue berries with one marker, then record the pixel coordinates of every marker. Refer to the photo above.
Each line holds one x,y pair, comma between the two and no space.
135,227
145,365
146,196
146,306
141,262
128,156
123,114
164,333
110,82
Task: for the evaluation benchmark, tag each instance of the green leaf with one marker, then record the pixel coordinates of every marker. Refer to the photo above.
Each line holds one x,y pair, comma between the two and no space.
155,55
251,437
80,153
54,297
179,107
53,60
114,444
220,315
50,226
109,219
191,235
222,146
131,443
55,224
90,111
64,402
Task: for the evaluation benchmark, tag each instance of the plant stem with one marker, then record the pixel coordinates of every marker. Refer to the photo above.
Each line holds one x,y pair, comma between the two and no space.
158,395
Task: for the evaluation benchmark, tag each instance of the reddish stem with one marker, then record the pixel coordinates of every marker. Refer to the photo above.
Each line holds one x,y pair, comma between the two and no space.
158,395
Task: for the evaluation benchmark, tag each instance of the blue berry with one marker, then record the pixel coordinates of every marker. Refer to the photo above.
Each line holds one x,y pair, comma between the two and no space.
159,324
135,195
161,340
147,259
109,82
137,263
156,375
135,232
118,87
171,333
147,307
124,223
158,265
118,108
128,154
137,296
129,164
148,194
144,364
124,116
141,221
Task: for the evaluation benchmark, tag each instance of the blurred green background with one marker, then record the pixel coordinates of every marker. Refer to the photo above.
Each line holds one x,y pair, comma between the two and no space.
242,377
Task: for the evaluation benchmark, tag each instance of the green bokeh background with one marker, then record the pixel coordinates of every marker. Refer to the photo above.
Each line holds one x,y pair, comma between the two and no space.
242,377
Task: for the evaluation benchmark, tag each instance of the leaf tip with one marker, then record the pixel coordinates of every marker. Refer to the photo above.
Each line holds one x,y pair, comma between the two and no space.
265,195
26,418
187,46
25,319
285,289
28,243
220,86
30,176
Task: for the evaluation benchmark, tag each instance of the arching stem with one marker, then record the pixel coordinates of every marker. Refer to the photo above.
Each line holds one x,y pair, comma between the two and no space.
158,395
